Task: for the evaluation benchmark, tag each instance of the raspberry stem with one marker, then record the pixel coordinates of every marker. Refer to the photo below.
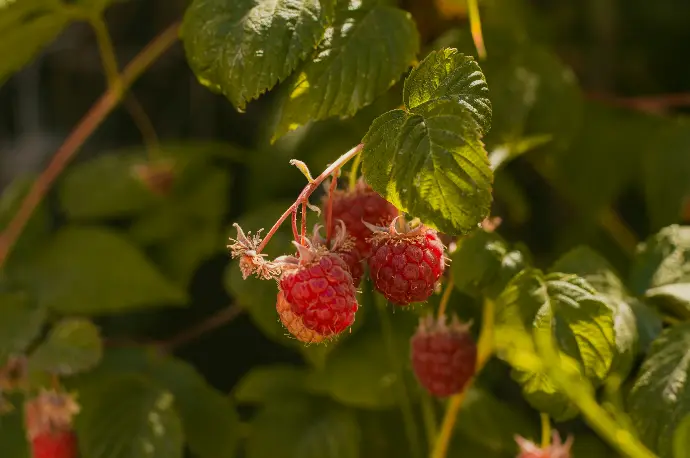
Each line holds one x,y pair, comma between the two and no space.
353,172
446,296
329,208
308,190
545,430
484,351
295,232
304,222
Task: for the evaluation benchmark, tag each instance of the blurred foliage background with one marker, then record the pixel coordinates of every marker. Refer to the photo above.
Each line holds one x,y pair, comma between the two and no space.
589,97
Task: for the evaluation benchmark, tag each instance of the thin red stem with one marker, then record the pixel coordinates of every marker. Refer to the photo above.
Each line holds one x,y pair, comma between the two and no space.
329,208
295,232
304,221
308,190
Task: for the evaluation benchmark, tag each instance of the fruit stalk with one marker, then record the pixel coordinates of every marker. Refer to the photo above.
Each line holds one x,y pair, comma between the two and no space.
329,208
484,351
308,190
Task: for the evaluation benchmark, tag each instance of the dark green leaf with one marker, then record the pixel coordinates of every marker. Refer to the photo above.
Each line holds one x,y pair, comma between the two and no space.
594,268
243,48
581,323
493,424
648,323
447,75
660,397
88,270
25,28
303,428
362,55
127,416
209,421
20,324
483,263
73,345
12,433
268,383
431,164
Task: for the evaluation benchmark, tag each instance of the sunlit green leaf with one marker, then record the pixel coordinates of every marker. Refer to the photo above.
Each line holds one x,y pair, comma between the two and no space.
243,48
594,268
660,397
353,65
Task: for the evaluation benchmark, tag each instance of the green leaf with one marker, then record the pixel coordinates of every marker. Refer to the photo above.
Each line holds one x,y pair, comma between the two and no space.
243,48
581,322
20,325
127,416
492,423
12,433
661,269
73,345
484,264
25,28
89,270
627,346
303,428
431,163
660,397
648,323
681,439
352,66
268,383
447,75
594,268
209,421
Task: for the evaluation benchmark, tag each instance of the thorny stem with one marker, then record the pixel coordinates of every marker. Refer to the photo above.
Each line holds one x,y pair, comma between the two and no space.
215,321
308,190
484,351
352,178
93,118
446,296
329,208
476,28
403,395
545,430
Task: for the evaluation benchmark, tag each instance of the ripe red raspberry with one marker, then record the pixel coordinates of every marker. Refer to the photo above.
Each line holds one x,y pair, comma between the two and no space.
54,445
354,262
344,246
557,449
443,357
357,205
293,323
320,291
48,425
405,267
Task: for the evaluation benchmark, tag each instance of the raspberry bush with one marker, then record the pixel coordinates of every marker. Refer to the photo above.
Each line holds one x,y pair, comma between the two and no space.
365,229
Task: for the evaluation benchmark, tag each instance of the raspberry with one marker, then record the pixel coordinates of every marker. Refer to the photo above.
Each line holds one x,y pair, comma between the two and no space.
294,324
557,449
48,424
354,262
361,204
344,246
443,357
405,267
320,291
54,445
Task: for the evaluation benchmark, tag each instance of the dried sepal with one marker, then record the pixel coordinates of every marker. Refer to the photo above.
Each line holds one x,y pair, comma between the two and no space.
13,375
245,247
51,411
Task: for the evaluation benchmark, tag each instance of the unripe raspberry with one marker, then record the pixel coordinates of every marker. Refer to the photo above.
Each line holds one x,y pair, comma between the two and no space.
48,425
357,205
294,324
557,449
320,291
443,356
405,267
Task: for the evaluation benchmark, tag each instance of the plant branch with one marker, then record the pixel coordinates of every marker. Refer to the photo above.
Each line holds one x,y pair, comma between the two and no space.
446,296
308,190
476,28
93,118
215,321
353,171
645,103
329,207
545,430
484,352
